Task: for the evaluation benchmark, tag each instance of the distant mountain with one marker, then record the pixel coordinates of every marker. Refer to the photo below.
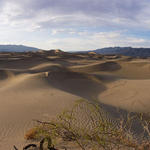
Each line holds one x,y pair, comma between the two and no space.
16,48
127,51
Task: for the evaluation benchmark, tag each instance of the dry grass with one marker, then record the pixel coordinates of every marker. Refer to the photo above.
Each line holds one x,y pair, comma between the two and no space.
31,134
96,132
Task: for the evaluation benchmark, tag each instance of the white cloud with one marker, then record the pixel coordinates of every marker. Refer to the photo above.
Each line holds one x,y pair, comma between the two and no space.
96,40
85,41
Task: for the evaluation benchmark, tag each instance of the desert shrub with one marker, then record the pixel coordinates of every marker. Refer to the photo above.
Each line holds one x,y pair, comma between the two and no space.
90,127
31,134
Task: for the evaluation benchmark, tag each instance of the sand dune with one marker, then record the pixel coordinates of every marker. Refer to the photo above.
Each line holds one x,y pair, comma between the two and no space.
104,66
132,95
26,97
38,86
4,74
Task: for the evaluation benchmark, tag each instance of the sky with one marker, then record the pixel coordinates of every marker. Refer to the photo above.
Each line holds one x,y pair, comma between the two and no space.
73,25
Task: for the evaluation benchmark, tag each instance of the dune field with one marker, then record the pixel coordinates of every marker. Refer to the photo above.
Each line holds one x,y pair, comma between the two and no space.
39,85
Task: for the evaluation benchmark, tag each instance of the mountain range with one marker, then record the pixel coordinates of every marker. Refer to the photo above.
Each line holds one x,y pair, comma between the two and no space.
127,51
16,48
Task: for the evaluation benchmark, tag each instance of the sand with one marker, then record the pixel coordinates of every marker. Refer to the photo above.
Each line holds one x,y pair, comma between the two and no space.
40,86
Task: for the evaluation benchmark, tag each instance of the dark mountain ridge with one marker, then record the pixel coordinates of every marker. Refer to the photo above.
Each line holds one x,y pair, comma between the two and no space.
127,51
17,48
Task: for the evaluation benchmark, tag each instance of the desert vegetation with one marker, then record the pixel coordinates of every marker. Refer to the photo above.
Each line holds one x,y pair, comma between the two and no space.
88,126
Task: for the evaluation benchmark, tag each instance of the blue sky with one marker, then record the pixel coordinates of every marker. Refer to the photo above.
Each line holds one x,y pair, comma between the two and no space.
75,24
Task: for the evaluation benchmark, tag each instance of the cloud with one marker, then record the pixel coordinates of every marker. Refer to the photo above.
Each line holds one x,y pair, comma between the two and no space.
63,31
79,24
52,13
91,41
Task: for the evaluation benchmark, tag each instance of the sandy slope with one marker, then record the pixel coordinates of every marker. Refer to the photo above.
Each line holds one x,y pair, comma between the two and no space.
26,97
132,95
39,87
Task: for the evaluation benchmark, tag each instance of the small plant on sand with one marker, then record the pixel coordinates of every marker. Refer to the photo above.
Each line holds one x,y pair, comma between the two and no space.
87,125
